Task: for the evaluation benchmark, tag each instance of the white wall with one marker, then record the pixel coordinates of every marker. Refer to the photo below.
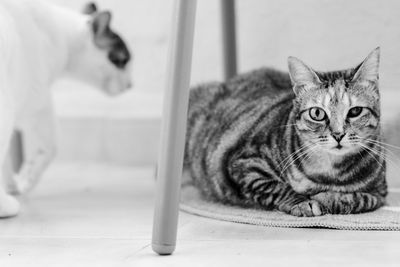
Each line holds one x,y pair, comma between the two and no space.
326,34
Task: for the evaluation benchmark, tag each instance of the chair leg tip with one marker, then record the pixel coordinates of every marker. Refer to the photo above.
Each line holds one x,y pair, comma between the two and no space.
163,250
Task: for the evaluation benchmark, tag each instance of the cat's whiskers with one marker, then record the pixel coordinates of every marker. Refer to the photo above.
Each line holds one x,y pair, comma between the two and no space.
289,157
308,149
394,160
359,153
308,156
372,152
380,146
382,143
284,161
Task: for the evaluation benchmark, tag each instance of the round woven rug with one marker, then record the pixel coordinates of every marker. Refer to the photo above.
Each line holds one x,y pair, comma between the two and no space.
385,218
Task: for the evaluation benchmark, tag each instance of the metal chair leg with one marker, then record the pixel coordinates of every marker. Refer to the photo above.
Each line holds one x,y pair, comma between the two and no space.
229,38
173,133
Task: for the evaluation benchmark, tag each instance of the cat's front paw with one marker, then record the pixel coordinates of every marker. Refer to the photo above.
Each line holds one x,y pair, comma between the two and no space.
328,200
348,203
307,208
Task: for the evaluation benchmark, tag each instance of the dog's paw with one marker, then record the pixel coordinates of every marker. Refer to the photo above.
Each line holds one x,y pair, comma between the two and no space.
9,206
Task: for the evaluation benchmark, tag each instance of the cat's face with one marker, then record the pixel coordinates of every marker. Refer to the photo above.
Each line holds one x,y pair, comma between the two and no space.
105,60
338,112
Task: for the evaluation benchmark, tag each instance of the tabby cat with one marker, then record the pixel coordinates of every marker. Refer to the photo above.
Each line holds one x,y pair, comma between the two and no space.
305,143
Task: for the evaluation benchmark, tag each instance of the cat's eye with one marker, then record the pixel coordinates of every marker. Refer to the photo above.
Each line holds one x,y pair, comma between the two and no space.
317,114
354,112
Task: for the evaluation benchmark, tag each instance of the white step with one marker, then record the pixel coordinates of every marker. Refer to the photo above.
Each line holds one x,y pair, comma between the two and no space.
92,126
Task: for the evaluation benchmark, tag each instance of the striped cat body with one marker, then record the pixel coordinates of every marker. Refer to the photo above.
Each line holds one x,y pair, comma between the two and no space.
290,142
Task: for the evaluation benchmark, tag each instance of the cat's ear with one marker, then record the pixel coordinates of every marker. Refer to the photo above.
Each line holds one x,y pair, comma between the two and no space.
302,76
368,70
101,23
90,8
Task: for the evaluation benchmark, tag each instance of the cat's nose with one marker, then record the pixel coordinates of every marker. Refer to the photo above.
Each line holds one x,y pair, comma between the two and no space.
338,136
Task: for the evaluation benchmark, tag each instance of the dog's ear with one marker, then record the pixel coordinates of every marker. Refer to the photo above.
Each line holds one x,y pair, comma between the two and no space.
101,23
90,8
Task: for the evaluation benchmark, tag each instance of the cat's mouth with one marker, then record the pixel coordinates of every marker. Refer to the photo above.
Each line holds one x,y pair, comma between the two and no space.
339,149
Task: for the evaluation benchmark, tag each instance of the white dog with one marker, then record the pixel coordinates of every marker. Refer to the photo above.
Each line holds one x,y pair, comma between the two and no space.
39,42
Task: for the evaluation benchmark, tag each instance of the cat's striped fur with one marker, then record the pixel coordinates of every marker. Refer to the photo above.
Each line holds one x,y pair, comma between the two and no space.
247,140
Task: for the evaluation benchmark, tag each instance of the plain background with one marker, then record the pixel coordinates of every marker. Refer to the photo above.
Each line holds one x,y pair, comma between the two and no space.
327,35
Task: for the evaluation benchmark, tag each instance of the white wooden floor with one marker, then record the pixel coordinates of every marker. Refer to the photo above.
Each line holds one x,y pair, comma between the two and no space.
101,215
